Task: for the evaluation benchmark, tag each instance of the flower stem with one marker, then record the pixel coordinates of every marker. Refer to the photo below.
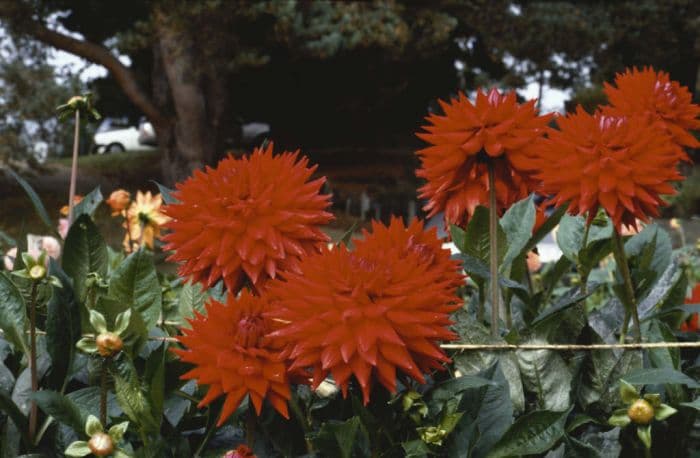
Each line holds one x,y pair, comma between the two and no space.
584,272
74,167
480,312
103,392
628,299
493,251
250,426
32,361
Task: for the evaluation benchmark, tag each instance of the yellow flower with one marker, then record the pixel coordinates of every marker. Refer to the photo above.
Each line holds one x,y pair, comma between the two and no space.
143,221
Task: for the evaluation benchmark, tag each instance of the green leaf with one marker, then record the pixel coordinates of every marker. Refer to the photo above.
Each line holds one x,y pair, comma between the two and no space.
628,393
476,237
89,204
135,284
459,237
663,412
476,362
336,438
452,387
517,223
93,426
78,449
191,299
122,322
549,224
532,433
88,401
579,449
567,300
545,374
117,431
13,314
619,418
8,406
660,376
570,236
98,322
347,236
131,398
488,412
695,404
644,434
60,408
415,449
34,198
155,379
62,326
84,252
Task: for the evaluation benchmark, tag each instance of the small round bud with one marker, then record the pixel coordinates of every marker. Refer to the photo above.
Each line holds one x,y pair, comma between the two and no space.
108,344
641,412
101,444
37,272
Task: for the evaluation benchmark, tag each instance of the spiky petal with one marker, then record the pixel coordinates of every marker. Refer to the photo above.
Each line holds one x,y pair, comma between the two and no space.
464,140
232,353
247,220
370,313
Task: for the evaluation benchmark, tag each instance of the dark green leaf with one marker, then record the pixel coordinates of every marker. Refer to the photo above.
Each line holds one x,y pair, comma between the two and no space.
34,198
84,252
61,408
155,380
659,376
8,406
130,396
62,326
336,438
89,204
545,374
191,299
517,223
476,237
415,449
532,433
695,404
578,449
13,314
451,388
135,284
570,236
88,401
136,333
568,299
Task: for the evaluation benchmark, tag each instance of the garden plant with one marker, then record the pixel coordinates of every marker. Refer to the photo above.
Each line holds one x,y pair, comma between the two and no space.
271,339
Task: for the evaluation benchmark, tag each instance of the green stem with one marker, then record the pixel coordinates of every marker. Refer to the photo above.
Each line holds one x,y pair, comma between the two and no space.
210,432
493,252
629,300
103,392
304,421
33,412
583,271
250,426
647,453
74,167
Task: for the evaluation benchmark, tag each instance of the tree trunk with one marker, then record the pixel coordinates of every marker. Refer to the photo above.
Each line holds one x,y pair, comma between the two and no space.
196,98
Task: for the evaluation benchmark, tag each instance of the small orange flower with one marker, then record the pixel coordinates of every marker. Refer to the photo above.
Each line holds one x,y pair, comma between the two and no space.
242,451
654,94
118,201
233,354
144,220
692,324
76,200
464,140
248,219
370,312
621,164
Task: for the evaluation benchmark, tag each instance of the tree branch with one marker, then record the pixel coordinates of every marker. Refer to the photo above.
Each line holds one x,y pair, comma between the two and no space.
98,54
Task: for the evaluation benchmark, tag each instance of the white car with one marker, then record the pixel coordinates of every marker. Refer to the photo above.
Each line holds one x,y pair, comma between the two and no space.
115,135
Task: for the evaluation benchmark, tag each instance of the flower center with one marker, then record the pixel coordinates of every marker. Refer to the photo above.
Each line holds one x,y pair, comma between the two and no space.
250,330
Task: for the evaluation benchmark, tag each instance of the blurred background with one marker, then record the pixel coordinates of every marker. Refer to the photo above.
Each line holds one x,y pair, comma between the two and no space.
180,84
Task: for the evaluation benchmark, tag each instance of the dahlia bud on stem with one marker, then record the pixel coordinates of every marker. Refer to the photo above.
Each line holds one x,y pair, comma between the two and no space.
493,252
628,291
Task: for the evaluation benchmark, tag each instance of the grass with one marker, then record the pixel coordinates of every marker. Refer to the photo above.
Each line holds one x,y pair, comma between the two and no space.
129,162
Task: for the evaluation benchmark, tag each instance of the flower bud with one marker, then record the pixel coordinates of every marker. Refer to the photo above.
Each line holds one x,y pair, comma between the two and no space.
108,344
37,272
101,444
118,201
641,412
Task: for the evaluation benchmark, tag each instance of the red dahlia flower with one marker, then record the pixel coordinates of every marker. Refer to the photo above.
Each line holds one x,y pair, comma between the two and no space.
464,140
233,354
370,312
655,95
621,164
248,219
